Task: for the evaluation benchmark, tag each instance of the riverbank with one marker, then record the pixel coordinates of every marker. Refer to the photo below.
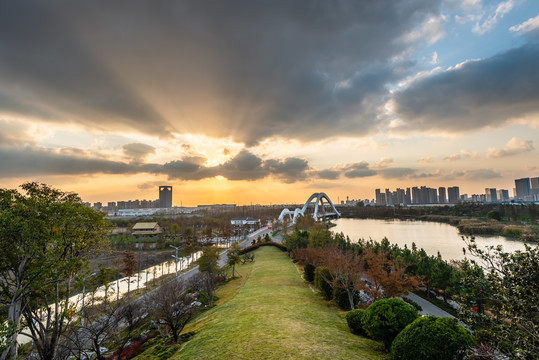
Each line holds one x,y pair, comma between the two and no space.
511,221
272,313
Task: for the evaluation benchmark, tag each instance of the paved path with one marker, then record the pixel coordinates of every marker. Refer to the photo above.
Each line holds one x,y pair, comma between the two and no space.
431,309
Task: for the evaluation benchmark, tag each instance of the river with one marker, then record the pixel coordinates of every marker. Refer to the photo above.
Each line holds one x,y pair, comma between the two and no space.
431,236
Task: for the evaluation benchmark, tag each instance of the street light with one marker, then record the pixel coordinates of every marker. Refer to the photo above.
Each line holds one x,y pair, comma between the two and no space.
83,290
176,257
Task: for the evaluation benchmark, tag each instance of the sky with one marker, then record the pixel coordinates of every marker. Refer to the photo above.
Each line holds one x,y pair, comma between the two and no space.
267,102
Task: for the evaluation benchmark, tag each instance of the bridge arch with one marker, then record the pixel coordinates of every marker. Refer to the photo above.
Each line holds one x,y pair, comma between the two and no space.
318,200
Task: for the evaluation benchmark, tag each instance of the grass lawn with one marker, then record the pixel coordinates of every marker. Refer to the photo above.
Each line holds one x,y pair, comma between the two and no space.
272,313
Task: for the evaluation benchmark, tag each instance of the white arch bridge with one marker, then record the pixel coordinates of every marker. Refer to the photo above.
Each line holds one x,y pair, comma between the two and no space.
320,208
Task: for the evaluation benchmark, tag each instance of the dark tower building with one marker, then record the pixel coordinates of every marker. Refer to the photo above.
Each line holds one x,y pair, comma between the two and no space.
165,196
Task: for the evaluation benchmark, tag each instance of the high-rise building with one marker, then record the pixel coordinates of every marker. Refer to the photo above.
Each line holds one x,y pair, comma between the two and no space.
491,194
453,194
380,197
503,195
522,187
534,185
165,196
442,198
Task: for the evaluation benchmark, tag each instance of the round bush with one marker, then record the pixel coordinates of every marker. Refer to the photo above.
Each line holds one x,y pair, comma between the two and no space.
308,272
340,297
353,318
321,273
432,337
385,318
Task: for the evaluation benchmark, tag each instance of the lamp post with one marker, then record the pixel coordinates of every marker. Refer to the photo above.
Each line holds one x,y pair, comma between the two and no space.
83,291
176,258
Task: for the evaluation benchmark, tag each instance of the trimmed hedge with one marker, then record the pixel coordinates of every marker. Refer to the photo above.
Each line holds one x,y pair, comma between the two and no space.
385,318
432,337
259,244
354,321
308,272
325,288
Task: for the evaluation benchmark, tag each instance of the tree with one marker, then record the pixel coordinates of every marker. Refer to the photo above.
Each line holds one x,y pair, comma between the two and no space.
234,257
509,288
45,235
345,272
129,265
100,328
432,337
173,305
386,277
385,318
131,317
208,264
355,322
322,282
296,240
320,236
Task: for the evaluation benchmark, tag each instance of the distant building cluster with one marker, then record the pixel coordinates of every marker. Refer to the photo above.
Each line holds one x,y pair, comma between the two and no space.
162,206
418,195
526,189
353,202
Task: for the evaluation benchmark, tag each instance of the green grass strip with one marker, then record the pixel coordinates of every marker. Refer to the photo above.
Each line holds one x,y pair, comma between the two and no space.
272,313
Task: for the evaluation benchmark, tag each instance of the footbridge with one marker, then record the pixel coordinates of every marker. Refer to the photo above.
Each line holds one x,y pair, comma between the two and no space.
321,209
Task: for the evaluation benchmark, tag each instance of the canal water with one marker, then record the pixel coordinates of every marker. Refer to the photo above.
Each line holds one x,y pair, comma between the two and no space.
431,236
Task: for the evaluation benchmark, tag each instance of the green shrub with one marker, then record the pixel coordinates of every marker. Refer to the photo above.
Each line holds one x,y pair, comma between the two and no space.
385,318
320,274
308,272
432,337
354,320
340,296
494,214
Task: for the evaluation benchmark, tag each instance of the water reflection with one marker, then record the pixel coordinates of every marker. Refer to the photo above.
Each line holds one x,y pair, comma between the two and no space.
431,236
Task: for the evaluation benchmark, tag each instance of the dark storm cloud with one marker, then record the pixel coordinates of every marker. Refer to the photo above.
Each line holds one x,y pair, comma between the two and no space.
474,95
138,151
32,161
49,73
358,170
327,174
245,69
288,170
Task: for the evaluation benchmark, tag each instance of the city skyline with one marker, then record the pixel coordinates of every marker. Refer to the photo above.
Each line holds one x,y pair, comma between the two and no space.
266,102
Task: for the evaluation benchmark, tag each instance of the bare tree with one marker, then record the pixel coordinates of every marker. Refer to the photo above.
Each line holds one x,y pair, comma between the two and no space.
173,305
346,270
129,318
101,326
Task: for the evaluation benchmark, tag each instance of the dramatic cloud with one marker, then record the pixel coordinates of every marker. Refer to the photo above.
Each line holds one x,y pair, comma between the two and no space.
474,95
530,25
502,9
244,69
358,170
32,161
327,174
513,147
137,151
